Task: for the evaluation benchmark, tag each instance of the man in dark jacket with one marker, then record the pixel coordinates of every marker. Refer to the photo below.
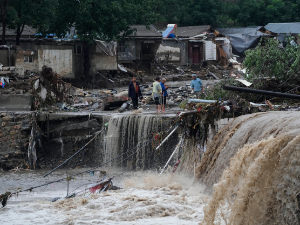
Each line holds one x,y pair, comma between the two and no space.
134,92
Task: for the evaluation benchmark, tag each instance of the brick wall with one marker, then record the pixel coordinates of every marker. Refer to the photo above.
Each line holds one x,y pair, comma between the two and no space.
14,136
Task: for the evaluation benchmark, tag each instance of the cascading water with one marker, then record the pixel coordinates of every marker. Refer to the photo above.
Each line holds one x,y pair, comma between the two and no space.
128,131
256,160
62,146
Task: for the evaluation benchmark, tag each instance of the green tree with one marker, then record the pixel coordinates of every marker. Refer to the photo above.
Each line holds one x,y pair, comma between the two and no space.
99,19
34,13
200,12
4,7
273,60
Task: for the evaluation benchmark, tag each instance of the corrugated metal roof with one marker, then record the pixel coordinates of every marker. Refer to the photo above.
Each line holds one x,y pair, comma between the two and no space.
240,30
142,31
284,28
28,31
191,31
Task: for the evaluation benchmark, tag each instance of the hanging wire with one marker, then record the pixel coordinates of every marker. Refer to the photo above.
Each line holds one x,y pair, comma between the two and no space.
132,151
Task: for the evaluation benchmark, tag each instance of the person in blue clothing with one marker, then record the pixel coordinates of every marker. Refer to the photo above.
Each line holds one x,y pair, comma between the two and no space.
196,85
164,89
134,92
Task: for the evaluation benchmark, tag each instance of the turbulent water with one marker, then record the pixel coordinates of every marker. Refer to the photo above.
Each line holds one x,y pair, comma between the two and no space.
248,175
261,154
126,132
145,198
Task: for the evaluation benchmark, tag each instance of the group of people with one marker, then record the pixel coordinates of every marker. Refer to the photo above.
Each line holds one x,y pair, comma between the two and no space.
159,92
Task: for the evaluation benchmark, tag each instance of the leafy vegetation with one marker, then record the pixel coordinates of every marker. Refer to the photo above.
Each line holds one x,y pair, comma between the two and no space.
271,59
106,19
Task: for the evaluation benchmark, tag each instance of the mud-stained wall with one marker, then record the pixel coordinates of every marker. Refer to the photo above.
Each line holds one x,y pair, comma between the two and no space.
61,61
24,66
168,54
59,58
180,57
66,59
102,61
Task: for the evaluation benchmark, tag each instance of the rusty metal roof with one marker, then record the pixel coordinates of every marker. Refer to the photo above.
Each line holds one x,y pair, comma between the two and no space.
284,28
191,31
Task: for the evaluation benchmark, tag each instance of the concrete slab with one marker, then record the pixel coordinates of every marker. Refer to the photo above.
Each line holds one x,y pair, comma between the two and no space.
14,102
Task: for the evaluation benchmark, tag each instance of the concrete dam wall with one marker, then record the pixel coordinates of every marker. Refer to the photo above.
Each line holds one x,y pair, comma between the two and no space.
60,135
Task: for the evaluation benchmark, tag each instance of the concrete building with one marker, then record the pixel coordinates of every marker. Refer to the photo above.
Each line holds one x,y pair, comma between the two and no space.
65,56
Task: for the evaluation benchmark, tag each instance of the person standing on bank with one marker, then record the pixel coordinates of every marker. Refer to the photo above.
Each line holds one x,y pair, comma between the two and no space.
164,93
134,92
196,85
157,94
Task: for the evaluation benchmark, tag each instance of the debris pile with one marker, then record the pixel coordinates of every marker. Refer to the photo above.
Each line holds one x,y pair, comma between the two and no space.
13,83
49,89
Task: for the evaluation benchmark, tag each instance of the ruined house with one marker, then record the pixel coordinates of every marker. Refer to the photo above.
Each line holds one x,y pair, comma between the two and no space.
242,38
140,46
66,56
282,30
189,45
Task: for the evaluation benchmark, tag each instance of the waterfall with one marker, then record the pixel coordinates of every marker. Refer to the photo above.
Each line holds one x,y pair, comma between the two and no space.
62,146
128,131
254,166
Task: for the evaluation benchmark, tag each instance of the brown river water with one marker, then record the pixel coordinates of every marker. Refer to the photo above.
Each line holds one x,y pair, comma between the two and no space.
248,175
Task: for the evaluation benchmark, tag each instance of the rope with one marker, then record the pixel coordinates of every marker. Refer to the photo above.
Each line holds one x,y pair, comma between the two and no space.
87,171
68,159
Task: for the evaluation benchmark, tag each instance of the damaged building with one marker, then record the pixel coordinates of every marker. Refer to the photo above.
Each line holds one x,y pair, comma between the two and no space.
65,56
242,38
140,46
282,30
193,45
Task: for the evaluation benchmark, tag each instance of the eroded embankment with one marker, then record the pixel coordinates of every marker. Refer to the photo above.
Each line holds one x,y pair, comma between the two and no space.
255,160
126,140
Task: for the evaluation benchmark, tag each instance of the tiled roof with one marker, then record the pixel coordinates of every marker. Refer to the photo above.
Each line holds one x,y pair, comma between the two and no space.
191,31
28,31
143,31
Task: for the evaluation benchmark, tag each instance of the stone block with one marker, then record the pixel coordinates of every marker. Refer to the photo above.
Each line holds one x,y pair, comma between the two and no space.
3,124
6,118
12,132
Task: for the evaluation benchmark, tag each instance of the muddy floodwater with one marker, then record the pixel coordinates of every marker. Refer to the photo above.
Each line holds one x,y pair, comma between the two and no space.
250,171
145,198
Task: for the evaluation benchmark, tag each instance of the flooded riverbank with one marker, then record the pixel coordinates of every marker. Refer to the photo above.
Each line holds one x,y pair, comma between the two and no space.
251,167
145,198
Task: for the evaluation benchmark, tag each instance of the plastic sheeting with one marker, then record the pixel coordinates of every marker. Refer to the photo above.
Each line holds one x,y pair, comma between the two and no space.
241,42
242,38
